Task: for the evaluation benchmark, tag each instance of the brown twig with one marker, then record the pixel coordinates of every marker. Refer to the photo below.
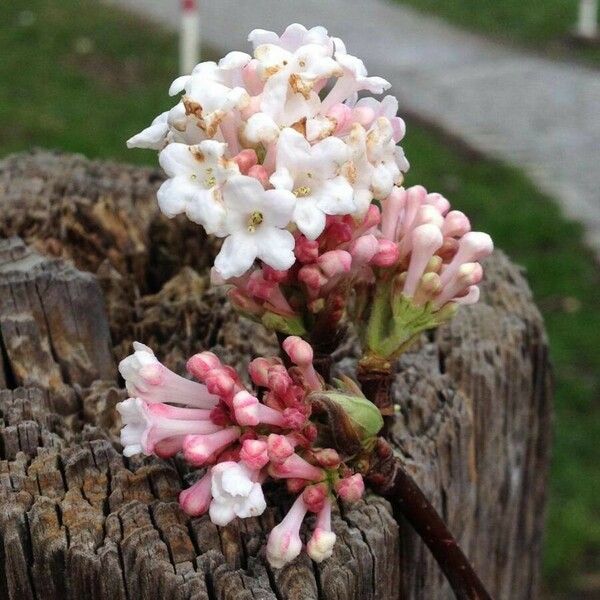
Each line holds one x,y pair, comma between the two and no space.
389,478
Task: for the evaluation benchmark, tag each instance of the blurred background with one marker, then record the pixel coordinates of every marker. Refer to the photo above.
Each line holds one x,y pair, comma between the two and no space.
502,103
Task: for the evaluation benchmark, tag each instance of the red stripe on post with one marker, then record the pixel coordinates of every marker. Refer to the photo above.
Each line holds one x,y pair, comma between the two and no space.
188,5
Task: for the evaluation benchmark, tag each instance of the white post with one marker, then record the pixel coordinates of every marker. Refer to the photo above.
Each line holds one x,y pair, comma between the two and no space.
587,22
189,36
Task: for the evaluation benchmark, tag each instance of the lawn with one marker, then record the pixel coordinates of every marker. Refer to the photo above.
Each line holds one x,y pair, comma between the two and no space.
545,25
88,88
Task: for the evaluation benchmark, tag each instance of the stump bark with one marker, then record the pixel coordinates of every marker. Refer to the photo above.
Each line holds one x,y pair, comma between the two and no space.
87,265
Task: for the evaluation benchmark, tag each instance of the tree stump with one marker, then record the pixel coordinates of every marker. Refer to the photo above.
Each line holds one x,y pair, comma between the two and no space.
96,266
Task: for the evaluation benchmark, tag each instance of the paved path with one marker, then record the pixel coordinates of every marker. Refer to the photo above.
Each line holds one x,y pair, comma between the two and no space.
540,115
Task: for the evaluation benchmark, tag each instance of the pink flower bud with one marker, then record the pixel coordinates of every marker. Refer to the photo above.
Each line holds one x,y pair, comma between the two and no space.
338,232
471,297
306,250
198,449
246,407
299,350
201,364
196,499
335,262
245,159
259,172
293,418
439,202
169,447
314,496
279,448
387,254
279,380
271,274
259,287
219,415
456,224
363,115
312,277
328,458
415,196
220,383
295,485
351,488
259,370
429,214
254,454
364,249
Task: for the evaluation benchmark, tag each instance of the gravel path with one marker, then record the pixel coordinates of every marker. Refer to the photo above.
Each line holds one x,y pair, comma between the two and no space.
537,114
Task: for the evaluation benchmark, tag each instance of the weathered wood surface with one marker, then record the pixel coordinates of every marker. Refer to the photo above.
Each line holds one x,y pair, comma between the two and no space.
79,521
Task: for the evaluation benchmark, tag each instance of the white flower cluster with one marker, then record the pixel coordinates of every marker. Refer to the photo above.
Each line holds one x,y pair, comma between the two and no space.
262,147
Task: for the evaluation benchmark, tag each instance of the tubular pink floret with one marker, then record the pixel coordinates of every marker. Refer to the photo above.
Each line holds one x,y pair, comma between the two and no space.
426,239
391,211
468,274
195,500
473,246
335,262
198,449
295,466
177,413
254,454
279,380
351,488
471,297
429,214
415,196
284,542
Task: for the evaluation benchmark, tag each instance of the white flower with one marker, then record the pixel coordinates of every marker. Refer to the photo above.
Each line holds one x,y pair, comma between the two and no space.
146,378
312,173
235,493
292,66
387,159
197,174
354,79
292,38
153,137
260,128
213,90
388,108
135,424
255,220
136,368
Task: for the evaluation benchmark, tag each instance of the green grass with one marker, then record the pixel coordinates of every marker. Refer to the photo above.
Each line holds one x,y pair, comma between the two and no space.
55,96
543,24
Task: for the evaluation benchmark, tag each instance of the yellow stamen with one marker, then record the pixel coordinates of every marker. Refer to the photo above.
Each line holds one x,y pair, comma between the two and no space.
302,191
254,220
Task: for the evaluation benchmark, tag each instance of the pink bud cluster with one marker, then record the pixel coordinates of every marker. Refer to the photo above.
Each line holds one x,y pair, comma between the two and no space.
414,238
241,437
